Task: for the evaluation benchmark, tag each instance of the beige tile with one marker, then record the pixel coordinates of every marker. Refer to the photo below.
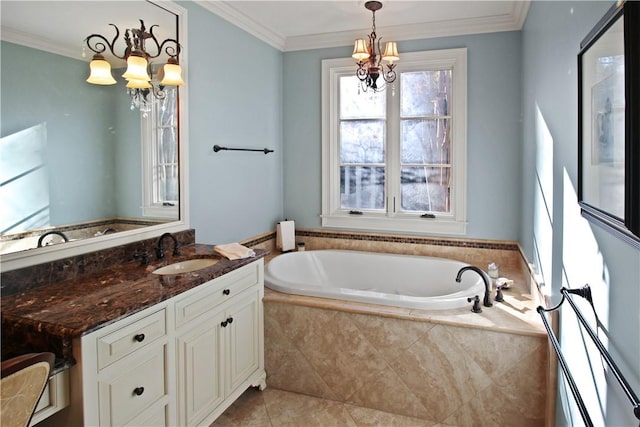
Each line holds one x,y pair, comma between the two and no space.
491,409
291,409
387,392
437,370
248,410
391,337
286,366
365,417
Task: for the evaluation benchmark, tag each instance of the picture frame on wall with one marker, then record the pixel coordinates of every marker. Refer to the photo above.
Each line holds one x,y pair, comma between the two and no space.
609,123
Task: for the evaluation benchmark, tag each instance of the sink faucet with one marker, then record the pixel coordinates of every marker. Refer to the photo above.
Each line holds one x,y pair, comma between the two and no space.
49,233
160,252
487,287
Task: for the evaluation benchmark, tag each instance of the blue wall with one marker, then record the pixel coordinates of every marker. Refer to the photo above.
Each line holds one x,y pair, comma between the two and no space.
235,100
494,127
567,249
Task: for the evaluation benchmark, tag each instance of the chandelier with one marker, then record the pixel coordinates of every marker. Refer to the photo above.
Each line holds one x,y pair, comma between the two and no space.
370,56
139,82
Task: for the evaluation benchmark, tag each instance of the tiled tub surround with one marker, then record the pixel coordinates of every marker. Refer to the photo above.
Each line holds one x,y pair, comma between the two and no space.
445,366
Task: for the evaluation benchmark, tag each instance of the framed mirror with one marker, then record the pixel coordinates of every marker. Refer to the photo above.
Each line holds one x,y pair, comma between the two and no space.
76,156
609,123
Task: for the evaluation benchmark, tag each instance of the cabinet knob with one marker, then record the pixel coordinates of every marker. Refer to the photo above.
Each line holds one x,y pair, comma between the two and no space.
138,391
224,323
139,337
230,320
226,292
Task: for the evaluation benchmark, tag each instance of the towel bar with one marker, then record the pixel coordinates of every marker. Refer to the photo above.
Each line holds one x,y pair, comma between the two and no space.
217,148
585,292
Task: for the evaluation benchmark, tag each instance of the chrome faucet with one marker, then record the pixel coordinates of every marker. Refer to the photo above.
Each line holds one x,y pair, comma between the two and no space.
487,281
49,233
160,252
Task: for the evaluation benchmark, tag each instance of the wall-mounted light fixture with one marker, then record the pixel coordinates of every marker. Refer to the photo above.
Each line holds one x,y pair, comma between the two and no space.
370,56
139,82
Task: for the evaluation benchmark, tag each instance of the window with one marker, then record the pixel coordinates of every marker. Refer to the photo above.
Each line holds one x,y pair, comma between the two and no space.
391,157
160,157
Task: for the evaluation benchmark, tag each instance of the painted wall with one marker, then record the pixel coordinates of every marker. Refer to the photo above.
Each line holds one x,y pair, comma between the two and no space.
494,128
235,100
568,250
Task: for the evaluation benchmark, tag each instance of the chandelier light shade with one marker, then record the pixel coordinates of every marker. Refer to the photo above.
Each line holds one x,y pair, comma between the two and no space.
100,71
140,84
137,68
369,56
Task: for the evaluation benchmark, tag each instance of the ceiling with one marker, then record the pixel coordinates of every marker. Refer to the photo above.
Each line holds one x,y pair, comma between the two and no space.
286,25
303,24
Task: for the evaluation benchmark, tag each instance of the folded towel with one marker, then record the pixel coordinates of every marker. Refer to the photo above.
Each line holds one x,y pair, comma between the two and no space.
234,251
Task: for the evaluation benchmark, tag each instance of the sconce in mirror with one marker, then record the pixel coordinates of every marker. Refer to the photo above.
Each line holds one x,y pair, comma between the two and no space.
139,82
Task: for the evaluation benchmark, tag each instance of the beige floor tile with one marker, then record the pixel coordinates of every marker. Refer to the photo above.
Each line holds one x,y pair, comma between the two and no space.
291,409
248,411
365,417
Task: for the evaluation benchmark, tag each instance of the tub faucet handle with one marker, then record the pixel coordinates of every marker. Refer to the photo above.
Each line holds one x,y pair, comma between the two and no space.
499,297
476,304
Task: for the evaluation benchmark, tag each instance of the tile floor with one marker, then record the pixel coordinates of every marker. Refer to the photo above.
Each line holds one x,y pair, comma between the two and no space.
276,408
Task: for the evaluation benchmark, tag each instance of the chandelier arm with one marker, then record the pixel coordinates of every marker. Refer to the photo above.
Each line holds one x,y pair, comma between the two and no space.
100,46
153,38
172,48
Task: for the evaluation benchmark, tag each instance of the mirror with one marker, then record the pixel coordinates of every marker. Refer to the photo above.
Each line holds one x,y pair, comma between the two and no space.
72,152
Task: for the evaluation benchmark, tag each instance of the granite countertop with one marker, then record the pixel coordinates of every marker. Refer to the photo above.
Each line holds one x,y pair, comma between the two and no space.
52,315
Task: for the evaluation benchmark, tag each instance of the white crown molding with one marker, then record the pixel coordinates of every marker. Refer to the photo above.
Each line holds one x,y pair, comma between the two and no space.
489,24
497,23
227,12
35,42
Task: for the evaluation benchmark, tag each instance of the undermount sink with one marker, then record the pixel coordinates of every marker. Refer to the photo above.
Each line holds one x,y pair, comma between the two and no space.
186,266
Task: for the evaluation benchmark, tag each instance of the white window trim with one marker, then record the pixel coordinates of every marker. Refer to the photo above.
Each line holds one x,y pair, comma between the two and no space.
335,217
148,134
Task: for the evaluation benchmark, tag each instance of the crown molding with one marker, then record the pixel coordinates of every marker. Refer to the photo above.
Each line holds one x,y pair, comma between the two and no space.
226,11
512,21
457,27
35,42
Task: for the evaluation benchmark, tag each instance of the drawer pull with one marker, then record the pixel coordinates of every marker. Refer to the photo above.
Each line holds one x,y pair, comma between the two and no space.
226,292
138,391
139,337
224,323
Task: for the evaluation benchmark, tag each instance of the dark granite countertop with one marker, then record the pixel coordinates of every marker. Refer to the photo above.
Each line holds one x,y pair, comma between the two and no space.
51,316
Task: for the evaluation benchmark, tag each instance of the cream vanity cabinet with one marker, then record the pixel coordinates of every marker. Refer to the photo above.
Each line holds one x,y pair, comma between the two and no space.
179,362
219,336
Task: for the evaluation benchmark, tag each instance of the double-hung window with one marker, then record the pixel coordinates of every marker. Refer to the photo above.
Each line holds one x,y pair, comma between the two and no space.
395,160
160,180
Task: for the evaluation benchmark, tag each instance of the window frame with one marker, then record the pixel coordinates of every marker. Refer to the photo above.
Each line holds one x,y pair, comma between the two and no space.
333,216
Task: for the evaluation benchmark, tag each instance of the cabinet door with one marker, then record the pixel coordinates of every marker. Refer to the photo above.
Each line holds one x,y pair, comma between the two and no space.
200,379
243,339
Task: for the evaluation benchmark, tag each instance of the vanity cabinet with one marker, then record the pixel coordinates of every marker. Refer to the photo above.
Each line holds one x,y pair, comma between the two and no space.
180,362
219,341
126,371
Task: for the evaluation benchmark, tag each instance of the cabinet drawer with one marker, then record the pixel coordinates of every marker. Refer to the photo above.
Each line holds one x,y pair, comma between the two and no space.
215,292
139,334
138,385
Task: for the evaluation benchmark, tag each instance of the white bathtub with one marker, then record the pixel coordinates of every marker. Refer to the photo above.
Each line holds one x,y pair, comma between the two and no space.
388,279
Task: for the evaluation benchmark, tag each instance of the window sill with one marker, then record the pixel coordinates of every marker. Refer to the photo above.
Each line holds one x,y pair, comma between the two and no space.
160,211
407,225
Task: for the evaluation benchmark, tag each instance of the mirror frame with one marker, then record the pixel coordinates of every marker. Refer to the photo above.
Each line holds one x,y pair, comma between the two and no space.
628,227
31,257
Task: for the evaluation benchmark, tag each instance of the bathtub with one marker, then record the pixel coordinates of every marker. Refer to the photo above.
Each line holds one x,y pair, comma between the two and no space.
376,278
